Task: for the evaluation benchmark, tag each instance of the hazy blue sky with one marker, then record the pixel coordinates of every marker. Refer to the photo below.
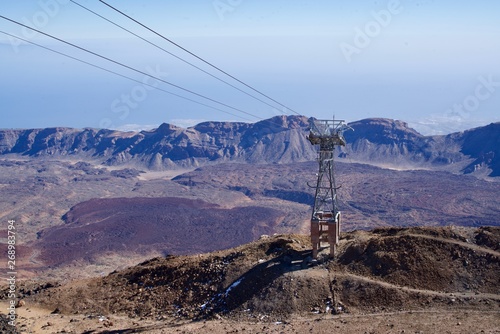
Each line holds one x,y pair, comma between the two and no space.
434,64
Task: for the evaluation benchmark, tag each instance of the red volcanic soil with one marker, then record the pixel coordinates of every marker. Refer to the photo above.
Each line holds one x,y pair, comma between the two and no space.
170,225
20,258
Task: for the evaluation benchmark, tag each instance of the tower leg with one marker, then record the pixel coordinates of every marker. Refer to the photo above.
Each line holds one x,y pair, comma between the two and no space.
315,238
338,227
332,238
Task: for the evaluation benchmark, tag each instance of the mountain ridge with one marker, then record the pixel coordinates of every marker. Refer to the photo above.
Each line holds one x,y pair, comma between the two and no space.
281,139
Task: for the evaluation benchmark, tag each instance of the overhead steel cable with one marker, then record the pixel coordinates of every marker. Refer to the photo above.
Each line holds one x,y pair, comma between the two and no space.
130,68
172,54
198,57
121,75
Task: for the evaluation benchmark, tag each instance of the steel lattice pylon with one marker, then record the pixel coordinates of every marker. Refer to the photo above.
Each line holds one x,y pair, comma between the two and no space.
325,219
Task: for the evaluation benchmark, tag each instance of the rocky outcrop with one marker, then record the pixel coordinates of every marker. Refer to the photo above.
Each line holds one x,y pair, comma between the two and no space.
482,144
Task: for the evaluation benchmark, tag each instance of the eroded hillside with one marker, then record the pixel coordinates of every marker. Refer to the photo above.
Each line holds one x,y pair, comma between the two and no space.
379,271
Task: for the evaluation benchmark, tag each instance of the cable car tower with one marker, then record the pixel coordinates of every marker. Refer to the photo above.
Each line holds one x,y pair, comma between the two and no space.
325,219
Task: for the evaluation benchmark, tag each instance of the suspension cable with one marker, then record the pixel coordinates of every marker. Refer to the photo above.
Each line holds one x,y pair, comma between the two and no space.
130,68
172,54
198,57
121,75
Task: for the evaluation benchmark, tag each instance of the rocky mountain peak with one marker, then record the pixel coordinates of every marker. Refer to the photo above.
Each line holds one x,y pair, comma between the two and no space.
382,130
167,129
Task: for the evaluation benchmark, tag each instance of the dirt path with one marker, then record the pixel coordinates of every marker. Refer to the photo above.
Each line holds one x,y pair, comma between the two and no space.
35,319
450,295
33,257
460,243
32,319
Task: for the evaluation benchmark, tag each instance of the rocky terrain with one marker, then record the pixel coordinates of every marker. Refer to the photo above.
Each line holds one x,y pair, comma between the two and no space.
272,285
281,139
113,229
75,219
369,196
